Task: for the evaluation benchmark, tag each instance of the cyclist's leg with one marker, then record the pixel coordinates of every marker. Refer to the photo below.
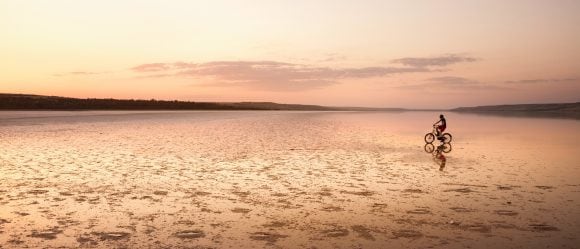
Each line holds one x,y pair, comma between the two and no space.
441,129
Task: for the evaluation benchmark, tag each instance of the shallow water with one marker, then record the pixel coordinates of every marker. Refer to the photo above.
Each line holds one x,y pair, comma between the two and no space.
286,180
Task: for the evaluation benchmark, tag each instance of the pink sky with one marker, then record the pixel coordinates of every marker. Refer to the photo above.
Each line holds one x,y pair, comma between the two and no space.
413,54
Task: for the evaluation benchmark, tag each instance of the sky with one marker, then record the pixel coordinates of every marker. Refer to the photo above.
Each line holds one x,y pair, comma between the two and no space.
376,53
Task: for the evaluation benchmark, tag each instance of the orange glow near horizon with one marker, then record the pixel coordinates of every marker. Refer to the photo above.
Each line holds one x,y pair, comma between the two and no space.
413,54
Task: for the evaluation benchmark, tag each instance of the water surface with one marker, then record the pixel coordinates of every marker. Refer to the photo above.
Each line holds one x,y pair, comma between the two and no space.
286,180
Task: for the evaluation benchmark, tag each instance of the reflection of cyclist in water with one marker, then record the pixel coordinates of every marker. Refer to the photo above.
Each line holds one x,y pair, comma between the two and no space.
441,127
438,153
439,157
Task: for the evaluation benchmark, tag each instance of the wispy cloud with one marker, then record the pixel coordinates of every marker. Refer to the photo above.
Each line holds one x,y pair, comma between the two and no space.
268,75
437,61
76,73
453,81
83,73
329,57
451,84
151,67
543,81
285,76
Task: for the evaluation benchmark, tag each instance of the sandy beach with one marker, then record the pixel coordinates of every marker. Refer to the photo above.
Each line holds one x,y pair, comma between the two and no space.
267,179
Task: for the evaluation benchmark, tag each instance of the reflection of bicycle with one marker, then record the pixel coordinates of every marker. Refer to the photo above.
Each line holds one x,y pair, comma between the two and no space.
430,137
438,153
445,148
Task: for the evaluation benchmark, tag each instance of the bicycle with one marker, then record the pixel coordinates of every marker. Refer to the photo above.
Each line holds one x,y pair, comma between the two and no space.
430,137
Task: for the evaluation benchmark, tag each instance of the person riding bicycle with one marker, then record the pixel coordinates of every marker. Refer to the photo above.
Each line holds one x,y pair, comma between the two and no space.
441,127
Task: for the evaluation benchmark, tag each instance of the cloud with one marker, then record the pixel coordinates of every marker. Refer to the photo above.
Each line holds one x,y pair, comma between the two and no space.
151,67
452,81
451,84
269,75
82,73
284,76
543,81
438,61
76,73
330,57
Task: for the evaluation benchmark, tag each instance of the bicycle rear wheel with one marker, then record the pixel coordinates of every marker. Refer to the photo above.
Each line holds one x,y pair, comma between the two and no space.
429,138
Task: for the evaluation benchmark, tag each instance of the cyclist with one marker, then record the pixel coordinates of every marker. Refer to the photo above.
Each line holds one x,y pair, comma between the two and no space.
441,127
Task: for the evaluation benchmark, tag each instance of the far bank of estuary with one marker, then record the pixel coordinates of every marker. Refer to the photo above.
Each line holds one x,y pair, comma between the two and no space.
20,102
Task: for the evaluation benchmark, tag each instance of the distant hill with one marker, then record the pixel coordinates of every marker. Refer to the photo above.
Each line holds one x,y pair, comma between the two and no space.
39,102
569,110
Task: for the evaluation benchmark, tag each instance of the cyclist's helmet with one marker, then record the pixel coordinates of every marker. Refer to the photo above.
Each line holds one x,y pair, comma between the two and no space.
441,116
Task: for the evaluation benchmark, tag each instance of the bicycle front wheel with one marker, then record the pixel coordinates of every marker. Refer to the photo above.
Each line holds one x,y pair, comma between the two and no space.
429,138
447,138
446,148
429,148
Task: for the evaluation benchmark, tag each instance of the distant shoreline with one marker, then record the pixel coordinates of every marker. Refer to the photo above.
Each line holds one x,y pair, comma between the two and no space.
28,102
23,102
559,110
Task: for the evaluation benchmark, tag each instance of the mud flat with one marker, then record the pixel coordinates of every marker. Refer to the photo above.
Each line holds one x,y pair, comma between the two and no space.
271,179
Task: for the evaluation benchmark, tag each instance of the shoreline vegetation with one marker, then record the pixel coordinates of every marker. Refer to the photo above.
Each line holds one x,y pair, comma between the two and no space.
39,102
22,102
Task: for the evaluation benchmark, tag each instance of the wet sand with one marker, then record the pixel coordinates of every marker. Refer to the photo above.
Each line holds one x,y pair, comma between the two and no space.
285,180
